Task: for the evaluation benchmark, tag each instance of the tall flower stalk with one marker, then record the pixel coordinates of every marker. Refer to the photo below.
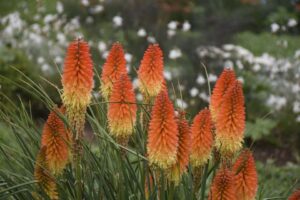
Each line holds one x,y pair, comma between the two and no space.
77,81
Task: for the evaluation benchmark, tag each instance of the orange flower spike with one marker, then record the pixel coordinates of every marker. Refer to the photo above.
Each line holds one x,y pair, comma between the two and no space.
150,72
245,176
57,139
202,138
122,108
225,80
295,195
223,186
162,133
183,149
41,174
77,76
114,66
230,124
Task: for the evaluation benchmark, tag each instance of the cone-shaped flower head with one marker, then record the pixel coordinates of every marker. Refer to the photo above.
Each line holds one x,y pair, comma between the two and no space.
245,176
223,185
122,108
183,151
57,140
224,82
163,133
42,174
202,138
230,124
150,72
77,76
114,66
295,195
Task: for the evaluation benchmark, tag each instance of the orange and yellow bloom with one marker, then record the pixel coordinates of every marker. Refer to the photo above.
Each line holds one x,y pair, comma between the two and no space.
57,140
150,73
183,151
245,176
230,123
163,133
224,82
114,66
122,108
43,176
223,185
202,138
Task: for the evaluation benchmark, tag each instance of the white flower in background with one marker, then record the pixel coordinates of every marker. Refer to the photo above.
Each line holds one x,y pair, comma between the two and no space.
61,38
297,53
85,2
36,38
295,88
175,53
128,57
40,60
292,22
135,83
186,26
172,25
296,107
139,97
239,64
276,101
128,68
298,118
241,79
274,27
49,18
200,79
204,96
45,67
228,64
97,9
151,39
96,94
181,104
102,46
59,7
194,91
212,78
283,28
171,33
256,67
58,59
228,47
167,75
105,54
13,23
118,21
141,32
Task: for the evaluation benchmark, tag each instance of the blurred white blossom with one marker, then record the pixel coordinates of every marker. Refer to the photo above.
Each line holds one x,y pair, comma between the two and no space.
172,25
175,53
102,46
194,91
167,75
118,21
292,22
186,26
128,57
276,102
200,79
151,39
97,9
181,104
296,107
59,7
141,32
85,2
274,27
212,78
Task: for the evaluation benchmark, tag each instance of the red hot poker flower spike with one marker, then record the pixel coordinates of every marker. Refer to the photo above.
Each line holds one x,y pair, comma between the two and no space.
183,149
57,140
202,138
114,66
295,195
245,176
225,80
163,133
77,76
230,124
122,108
150,72
42,174
223,186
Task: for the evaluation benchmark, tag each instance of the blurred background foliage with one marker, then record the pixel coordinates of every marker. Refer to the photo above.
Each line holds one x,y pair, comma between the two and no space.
259,38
